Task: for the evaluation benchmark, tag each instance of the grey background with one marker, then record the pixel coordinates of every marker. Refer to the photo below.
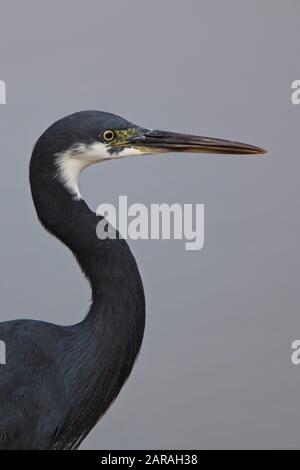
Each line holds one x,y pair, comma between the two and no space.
215,368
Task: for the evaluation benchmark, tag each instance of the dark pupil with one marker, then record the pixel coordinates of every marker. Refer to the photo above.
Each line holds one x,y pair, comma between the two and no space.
109,135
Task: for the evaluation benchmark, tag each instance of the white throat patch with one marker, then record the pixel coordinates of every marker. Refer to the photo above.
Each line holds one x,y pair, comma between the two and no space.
71,162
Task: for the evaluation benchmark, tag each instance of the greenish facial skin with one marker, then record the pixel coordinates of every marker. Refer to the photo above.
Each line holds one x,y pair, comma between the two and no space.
122,140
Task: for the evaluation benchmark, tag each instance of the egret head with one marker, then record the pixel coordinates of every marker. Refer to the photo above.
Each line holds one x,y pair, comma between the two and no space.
87,137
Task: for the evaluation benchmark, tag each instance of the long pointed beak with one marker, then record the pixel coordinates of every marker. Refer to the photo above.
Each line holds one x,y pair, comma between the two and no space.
154,141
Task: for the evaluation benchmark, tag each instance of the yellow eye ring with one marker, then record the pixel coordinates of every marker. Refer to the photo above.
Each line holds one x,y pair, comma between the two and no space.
108,135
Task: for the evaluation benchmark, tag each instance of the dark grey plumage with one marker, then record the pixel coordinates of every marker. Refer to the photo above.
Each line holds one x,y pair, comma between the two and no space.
58,381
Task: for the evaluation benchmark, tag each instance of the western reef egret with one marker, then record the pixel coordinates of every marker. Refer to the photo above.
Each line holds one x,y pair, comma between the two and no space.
58,381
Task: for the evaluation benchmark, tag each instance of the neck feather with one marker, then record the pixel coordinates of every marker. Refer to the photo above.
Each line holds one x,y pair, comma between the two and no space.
104,346
117,292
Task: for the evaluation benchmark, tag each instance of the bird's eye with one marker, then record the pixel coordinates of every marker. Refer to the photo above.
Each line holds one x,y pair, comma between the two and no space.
108,135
